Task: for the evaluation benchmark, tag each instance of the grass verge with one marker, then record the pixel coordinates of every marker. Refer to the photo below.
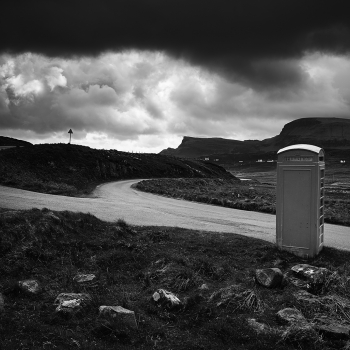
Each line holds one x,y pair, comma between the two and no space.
245,195
130,263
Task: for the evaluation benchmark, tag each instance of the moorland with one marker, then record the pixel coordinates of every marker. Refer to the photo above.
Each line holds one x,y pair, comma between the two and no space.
255,192
213,274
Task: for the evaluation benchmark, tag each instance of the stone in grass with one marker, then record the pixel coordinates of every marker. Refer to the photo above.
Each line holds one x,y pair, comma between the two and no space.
204,286
166,299
2,303
70,303
306,297
316,275
30,287
270,278
331,327
117,316
84,278
53,216
291,316
257,326
289,277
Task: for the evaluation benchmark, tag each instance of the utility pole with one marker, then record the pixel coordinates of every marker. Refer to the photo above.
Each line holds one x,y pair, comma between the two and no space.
70,132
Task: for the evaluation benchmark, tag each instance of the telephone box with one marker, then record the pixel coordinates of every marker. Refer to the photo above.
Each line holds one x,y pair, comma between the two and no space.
300,199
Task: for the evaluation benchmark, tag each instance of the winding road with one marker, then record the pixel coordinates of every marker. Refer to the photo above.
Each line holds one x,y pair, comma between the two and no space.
118,200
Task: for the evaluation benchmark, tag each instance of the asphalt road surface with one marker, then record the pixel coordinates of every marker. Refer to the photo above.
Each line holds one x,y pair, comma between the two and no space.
117,200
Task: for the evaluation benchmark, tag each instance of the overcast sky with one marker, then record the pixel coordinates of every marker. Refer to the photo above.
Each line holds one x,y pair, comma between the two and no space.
138,75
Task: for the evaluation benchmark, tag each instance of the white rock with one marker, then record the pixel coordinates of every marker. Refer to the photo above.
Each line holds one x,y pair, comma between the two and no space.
312,273
74,303
204,286
257,326
118,315
307,277
29,286
291,316
71,302
83,278
164,298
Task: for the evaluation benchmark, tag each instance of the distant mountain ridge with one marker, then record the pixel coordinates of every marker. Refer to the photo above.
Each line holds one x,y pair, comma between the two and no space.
331,133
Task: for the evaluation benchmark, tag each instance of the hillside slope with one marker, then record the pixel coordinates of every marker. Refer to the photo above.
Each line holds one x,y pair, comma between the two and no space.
328,133
73,169
9,141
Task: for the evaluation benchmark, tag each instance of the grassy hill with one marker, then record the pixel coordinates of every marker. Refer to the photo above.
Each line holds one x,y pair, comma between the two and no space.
132,262
9,141
73,169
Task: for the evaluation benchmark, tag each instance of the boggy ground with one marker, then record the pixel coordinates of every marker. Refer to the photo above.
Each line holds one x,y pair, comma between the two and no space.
257,193
131,264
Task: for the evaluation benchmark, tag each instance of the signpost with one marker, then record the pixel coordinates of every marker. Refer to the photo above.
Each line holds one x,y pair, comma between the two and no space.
70,132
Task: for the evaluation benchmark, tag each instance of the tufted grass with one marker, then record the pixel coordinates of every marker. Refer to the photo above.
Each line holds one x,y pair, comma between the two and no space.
130,263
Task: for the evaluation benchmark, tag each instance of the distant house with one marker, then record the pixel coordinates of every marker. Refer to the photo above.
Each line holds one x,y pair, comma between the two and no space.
206,158
216,160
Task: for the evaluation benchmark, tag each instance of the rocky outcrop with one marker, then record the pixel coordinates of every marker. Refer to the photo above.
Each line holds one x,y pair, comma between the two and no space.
322,132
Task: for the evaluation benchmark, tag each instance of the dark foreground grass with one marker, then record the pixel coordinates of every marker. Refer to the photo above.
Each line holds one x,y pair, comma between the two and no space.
131,263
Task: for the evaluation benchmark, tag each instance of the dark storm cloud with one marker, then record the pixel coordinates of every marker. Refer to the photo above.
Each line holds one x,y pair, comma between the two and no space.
239,39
